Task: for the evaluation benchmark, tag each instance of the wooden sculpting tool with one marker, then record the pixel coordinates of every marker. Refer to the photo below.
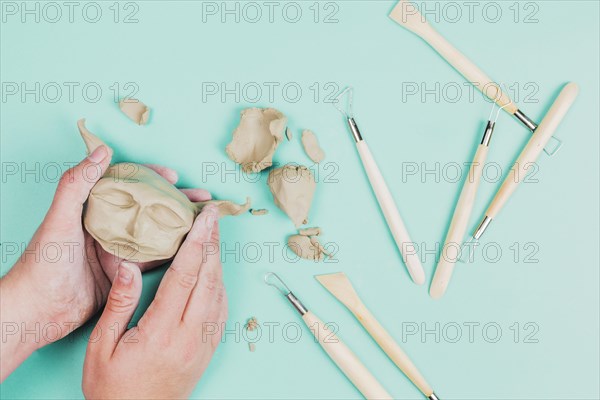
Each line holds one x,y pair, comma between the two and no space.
452,249
529,155
383,195
344,358
407,15
341,288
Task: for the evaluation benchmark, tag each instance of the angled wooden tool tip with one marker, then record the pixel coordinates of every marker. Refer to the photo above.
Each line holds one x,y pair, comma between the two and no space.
405,13
341,288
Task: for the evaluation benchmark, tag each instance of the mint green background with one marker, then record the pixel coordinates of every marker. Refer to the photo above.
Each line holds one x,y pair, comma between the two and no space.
170,52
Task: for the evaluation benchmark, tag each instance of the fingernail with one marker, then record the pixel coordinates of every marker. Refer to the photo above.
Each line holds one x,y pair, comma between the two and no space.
99,154
205,222
125,273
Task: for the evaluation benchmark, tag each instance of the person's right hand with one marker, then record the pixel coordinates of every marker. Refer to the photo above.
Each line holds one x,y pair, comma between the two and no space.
165,355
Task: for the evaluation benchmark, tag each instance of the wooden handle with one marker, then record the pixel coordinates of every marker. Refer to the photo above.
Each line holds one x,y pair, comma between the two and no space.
407,15
458,226
345,359
534,147
391,348
391,214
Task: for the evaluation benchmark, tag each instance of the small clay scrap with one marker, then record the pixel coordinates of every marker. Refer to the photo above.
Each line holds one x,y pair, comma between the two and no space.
251,325
259,211
135,110
316,231
307,247
136,214
293,188
288,134
226,207
256,138
91,141
311,146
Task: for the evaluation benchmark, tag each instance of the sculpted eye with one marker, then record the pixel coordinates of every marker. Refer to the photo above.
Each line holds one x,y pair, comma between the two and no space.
165,216
116,198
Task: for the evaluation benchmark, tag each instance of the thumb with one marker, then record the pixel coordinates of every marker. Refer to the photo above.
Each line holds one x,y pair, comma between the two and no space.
122,302
76,183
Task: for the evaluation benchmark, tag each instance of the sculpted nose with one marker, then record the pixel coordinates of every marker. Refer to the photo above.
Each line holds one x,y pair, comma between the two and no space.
133,226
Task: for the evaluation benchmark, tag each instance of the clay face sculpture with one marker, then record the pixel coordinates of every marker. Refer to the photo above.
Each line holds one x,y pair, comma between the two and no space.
311,146
135,110
256,138
136,214
293,188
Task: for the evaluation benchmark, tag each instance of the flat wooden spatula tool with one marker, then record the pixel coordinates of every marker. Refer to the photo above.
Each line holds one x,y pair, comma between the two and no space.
341,288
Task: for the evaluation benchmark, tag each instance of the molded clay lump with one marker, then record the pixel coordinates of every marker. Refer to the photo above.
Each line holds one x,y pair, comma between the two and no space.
135,110
136,214
311,146
307,247
316,231
256,138
293,188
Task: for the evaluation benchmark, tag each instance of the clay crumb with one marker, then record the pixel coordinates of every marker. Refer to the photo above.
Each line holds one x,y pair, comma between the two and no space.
311,146
288,134
251,324
316,231
308,248
259,211
135,110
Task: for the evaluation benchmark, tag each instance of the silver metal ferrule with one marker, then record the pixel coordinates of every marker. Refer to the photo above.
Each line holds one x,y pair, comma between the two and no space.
354,130
296,303
433,397
482,227
525,120
487,135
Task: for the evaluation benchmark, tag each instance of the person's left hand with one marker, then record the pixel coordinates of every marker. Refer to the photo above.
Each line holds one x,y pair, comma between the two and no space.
64,276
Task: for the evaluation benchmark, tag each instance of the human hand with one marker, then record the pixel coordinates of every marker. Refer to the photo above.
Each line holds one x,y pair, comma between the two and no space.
64,275
165,355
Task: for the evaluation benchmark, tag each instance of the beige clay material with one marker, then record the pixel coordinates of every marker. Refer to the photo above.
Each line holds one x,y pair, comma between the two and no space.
256,138
307,247
135,110
136,214
316,231
311,146
293,188
259,211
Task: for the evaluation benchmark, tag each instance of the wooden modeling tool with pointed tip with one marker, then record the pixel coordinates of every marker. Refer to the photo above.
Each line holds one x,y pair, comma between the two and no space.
453,245
341,288
407,15
382,193
343,357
